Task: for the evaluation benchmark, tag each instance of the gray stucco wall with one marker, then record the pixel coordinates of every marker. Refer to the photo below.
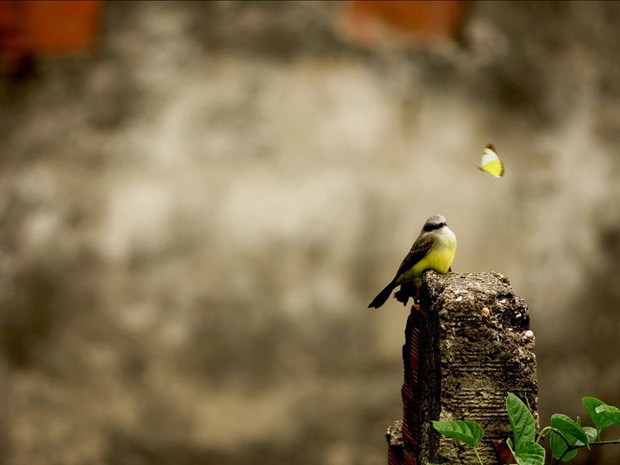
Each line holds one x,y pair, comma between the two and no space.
195,216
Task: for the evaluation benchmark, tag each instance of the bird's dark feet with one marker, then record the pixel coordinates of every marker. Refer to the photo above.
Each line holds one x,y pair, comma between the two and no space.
407,291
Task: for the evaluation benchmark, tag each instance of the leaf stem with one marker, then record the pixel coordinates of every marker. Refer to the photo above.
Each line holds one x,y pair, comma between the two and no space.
575,447
602,443
543,432
478,456
595,443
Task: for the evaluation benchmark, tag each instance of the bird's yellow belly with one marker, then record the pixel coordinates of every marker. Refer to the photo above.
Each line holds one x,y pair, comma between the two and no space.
439,258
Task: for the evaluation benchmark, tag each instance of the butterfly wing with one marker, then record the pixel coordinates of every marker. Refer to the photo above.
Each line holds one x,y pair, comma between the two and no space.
490,162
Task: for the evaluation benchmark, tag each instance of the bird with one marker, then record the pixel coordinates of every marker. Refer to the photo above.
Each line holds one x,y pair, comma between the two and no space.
434,249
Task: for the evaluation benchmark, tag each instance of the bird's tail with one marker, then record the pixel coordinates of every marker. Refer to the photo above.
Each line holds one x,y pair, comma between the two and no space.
383,295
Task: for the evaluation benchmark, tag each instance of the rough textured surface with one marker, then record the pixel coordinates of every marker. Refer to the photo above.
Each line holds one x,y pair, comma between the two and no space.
467,346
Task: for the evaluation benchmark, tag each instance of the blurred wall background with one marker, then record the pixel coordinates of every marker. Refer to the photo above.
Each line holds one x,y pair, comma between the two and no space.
196,212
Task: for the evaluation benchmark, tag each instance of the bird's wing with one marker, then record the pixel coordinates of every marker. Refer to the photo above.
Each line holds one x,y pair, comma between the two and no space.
418,250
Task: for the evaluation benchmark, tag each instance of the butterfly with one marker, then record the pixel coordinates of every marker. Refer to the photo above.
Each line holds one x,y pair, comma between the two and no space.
490,162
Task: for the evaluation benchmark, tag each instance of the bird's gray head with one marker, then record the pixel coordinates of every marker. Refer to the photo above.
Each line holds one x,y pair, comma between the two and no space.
433,223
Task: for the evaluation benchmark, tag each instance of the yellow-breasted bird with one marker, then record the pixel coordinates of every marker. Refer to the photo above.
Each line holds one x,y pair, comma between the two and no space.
434,249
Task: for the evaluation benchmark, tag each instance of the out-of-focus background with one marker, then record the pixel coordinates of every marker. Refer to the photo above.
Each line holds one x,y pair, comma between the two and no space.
198,201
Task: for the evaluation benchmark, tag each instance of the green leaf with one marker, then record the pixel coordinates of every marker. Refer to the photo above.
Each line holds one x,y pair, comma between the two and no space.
600,420
609,414
521,420
591,432
531,453
569,426
561,440
469,432
559,448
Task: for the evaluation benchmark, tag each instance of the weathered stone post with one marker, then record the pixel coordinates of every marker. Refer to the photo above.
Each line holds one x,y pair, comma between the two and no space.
467,346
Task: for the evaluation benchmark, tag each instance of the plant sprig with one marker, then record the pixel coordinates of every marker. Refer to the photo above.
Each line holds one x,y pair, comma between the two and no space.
567,436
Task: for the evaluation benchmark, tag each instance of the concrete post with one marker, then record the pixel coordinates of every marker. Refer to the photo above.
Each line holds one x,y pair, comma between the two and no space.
466,346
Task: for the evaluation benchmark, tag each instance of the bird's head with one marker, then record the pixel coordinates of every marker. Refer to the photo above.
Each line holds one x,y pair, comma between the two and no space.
433,223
